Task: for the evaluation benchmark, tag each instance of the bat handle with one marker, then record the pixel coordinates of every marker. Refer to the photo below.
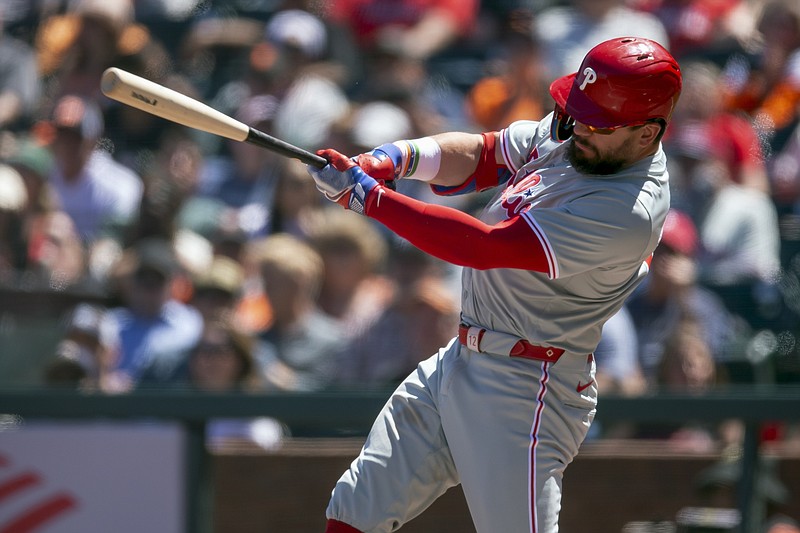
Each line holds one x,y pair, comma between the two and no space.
260,138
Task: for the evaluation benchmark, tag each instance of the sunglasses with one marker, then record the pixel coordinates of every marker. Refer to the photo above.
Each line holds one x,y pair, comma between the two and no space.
612,129
563,125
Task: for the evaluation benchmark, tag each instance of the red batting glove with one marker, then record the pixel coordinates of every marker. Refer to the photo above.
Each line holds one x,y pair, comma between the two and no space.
337,160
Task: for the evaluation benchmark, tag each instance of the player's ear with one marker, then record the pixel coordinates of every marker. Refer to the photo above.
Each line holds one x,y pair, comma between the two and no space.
650,133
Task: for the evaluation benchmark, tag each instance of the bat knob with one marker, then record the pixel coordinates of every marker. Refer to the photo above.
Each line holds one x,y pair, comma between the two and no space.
109,80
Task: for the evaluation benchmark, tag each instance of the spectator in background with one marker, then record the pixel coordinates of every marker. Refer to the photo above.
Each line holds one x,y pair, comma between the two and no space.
737,225
253,313
87,354
429,100
75,47
170,182
617,356
408,265
39,240
566,32
156,331
20,85
784,174
222,361
240,184
195,255
418,29
100,195
312,99
671,294
296,201
217,289
371,121
421,317
214,52
700,118
66,369
515,89
299,349
687,366
34,162
13,203
766,84
56,256
353,292
702,27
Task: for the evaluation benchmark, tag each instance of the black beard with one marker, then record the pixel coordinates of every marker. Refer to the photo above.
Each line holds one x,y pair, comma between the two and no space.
601,166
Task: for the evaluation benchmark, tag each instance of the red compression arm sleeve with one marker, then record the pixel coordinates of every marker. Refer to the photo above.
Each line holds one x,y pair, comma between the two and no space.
456,237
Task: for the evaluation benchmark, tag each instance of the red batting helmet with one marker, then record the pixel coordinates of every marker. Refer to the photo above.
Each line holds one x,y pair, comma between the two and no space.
621,81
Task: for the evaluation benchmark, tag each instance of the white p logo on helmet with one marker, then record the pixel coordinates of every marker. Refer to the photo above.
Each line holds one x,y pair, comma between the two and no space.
590,77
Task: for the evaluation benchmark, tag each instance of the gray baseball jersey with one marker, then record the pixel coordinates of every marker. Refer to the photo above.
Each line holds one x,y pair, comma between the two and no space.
598,233
503,427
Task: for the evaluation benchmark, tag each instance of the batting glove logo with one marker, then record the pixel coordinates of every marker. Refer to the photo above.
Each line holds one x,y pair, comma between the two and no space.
590,77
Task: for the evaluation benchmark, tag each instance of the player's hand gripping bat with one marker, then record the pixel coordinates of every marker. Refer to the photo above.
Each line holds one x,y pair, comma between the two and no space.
166,103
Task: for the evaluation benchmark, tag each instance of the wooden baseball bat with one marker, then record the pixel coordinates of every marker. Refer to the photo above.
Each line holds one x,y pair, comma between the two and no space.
171,105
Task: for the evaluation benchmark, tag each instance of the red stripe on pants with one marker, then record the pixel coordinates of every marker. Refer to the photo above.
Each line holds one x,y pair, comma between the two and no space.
537,419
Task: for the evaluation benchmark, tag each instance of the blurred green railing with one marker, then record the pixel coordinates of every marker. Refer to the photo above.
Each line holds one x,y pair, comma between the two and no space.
352,412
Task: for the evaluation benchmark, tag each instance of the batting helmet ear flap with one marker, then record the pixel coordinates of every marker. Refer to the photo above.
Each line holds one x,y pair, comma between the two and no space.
561,126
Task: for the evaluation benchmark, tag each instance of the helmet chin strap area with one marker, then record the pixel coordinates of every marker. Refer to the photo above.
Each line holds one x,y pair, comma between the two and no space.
561,127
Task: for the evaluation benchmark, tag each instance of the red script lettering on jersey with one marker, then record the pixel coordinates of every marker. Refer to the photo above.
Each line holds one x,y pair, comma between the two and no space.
515,195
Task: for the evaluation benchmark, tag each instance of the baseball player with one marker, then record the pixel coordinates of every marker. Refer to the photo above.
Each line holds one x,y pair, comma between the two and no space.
581,198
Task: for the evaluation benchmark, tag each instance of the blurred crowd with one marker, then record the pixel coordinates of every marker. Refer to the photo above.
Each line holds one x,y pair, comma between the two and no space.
216,265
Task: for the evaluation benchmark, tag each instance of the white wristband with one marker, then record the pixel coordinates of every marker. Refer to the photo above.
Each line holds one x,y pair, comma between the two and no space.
421,158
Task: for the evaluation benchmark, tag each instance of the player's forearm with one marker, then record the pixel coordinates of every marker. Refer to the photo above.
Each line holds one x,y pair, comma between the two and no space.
456,237
460,154
452,163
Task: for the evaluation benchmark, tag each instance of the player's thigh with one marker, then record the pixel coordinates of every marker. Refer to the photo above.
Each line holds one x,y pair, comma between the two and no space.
405,463
511,436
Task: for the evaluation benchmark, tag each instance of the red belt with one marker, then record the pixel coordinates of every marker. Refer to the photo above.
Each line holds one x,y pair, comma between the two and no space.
522,348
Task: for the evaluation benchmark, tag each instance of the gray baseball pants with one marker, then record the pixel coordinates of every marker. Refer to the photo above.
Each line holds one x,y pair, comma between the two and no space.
504,428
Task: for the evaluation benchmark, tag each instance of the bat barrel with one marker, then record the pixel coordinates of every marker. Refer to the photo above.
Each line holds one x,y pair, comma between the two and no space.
169,104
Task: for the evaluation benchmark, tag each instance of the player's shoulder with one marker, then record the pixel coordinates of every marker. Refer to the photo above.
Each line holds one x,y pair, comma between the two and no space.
535,131
523,141
637,197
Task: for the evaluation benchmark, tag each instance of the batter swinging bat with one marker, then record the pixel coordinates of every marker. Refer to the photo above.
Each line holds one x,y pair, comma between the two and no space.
160,101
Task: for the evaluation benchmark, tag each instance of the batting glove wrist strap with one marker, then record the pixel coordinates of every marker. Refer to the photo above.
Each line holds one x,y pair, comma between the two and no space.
421,158
363,185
